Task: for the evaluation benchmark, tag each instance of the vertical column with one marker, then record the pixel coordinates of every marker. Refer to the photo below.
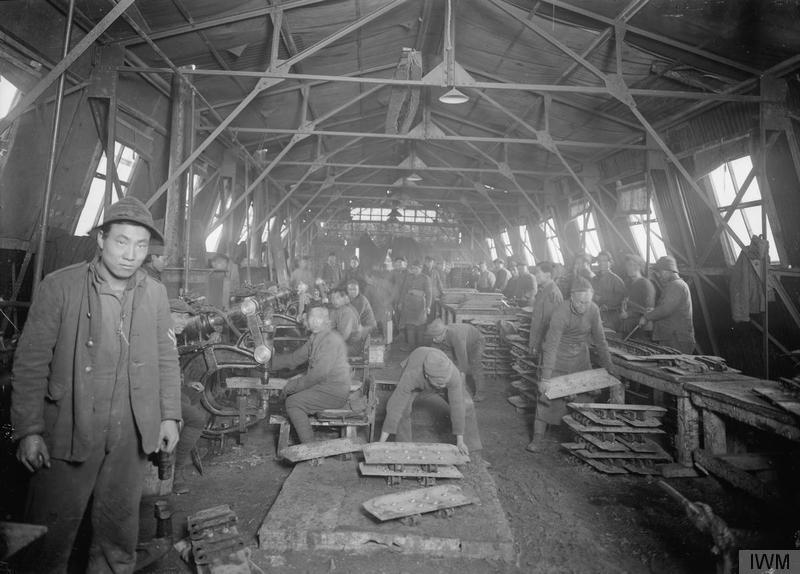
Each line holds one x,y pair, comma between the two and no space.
174,214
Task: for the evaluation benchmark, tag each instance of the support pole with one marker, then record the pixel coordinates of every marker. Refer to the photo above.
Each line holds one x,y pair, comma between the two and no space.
187,245
176,191
51,160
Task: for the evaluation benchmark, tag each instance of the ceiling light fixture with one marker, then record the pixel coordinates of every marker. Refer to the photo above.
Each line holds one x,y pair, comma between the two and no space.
413,177
454,96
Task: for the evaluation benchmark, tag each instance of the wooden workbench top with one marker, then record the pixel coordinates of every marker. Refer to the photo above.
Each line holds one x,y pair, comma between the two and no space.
739,393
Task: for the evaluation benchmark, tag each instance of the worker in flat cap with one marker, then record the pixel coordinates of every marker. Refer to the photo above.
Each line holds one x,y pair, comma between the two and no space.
640,297
609,290
415,300
466,343
96,390
428,372
574,324
156,260
672,316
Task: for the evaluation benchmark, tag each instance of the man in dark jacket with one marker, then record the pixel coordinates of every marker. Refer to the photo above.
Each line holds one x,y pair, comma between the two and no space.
97,389
466,343
428,371
672,316
326,383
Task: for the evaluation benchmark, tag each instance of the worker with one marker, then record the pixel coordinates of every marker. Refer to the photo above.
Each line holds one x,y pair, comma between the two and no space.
302,274
378,294
609,291
486,279
640,296
345,321
672,317
156,261
574,324
526,285
437,283
363,308
326,383
429,371
581,267
354,271
397,280
414,305
548,298
466,343
510,291
501,275
96,390
331,274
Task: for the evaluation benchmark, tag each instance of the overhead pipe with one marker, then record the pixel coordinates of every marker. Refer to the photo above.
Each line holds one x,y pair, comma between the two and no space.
51,160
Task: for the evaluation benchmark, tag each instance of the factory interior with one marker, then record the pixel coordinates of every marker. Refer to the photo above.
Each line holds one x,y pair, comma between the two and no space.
393,286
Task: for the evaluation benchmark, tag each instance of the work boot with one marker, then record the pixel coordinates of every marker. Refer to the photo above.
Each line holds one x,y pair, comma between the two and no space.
535,446
183,475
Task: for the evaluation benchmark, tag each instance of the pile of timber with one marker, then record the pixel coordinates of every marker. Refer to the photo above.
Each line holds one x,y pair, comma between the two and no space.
496,357
617,439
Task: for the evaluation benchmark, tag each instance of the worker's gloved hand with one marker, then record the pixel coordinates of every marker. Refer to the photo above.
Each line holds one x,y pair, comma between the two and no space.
168,435
33,453
197,386
462,447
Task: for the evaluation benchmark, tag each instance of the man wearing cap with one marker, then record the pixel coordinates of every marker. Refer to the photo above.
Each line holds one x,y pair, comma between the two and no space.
527,285
366,317
548,298
609,290
640,296
345,321
326,383
428,371
511,288
97,389
414,304
501,275
574,324
466,343
155,261
486,279
331,273
672,317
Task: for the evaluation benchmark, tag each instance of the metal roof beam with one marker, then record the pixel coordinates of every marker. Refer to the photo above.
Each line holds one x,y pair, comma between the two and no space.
429,168
217,21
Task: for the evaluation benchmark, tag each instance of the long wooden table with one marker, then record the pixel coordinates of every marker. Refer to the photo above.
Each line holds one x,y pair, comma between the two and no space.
712,397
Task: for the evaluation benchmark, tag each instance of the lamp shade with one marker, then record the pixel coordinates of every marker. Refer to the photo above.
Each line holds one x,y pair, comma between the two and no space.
454,96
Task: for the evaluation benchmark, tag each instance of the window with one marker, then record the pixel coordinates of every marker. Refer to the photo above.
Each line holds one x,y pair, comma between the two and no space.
553,245
8,96
492,249
726,182
639,227
403,215
125,160
590,240
505,245
247,225
527,245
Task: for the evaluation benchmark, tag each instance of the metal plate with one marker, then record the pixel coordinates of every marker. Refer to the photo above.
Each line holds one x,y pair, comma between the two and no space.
409,470
418,501
413,453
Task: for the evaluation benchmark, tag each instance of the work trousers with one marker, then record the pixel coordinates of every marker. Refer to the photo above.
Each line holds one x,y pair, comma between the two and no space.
472,437
415,335
58,496
475,374
309,402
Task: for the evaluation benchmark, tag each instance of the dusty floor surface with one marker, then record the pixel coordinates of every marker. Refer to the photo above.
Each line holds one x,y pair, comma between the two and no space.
565,516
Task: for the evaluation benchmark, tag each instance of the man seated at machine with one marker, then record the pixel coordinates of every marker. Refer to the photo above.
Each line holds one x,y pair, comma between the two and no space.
345,321
366,317
428,371
326,383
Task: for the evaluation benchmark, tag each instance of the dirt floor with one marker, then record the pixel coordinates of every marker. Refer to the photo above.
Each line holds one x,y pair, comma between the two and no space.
565,516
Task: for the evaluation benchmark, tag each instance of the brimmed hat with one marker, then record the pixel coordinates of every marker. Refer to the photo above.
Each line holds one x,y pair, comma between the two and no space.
666,263
437,367
436,329
580,285
133,210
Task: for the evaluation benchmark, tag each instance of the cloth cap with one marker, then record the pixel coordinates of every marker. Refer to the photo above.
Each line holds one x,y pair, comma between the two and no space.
156,249
436,329
133,210
580,285
437,367
666,263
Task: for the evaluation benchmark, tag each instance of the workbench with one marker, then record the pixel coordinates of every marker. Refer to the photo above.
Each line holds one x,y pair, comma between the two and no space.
712,397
